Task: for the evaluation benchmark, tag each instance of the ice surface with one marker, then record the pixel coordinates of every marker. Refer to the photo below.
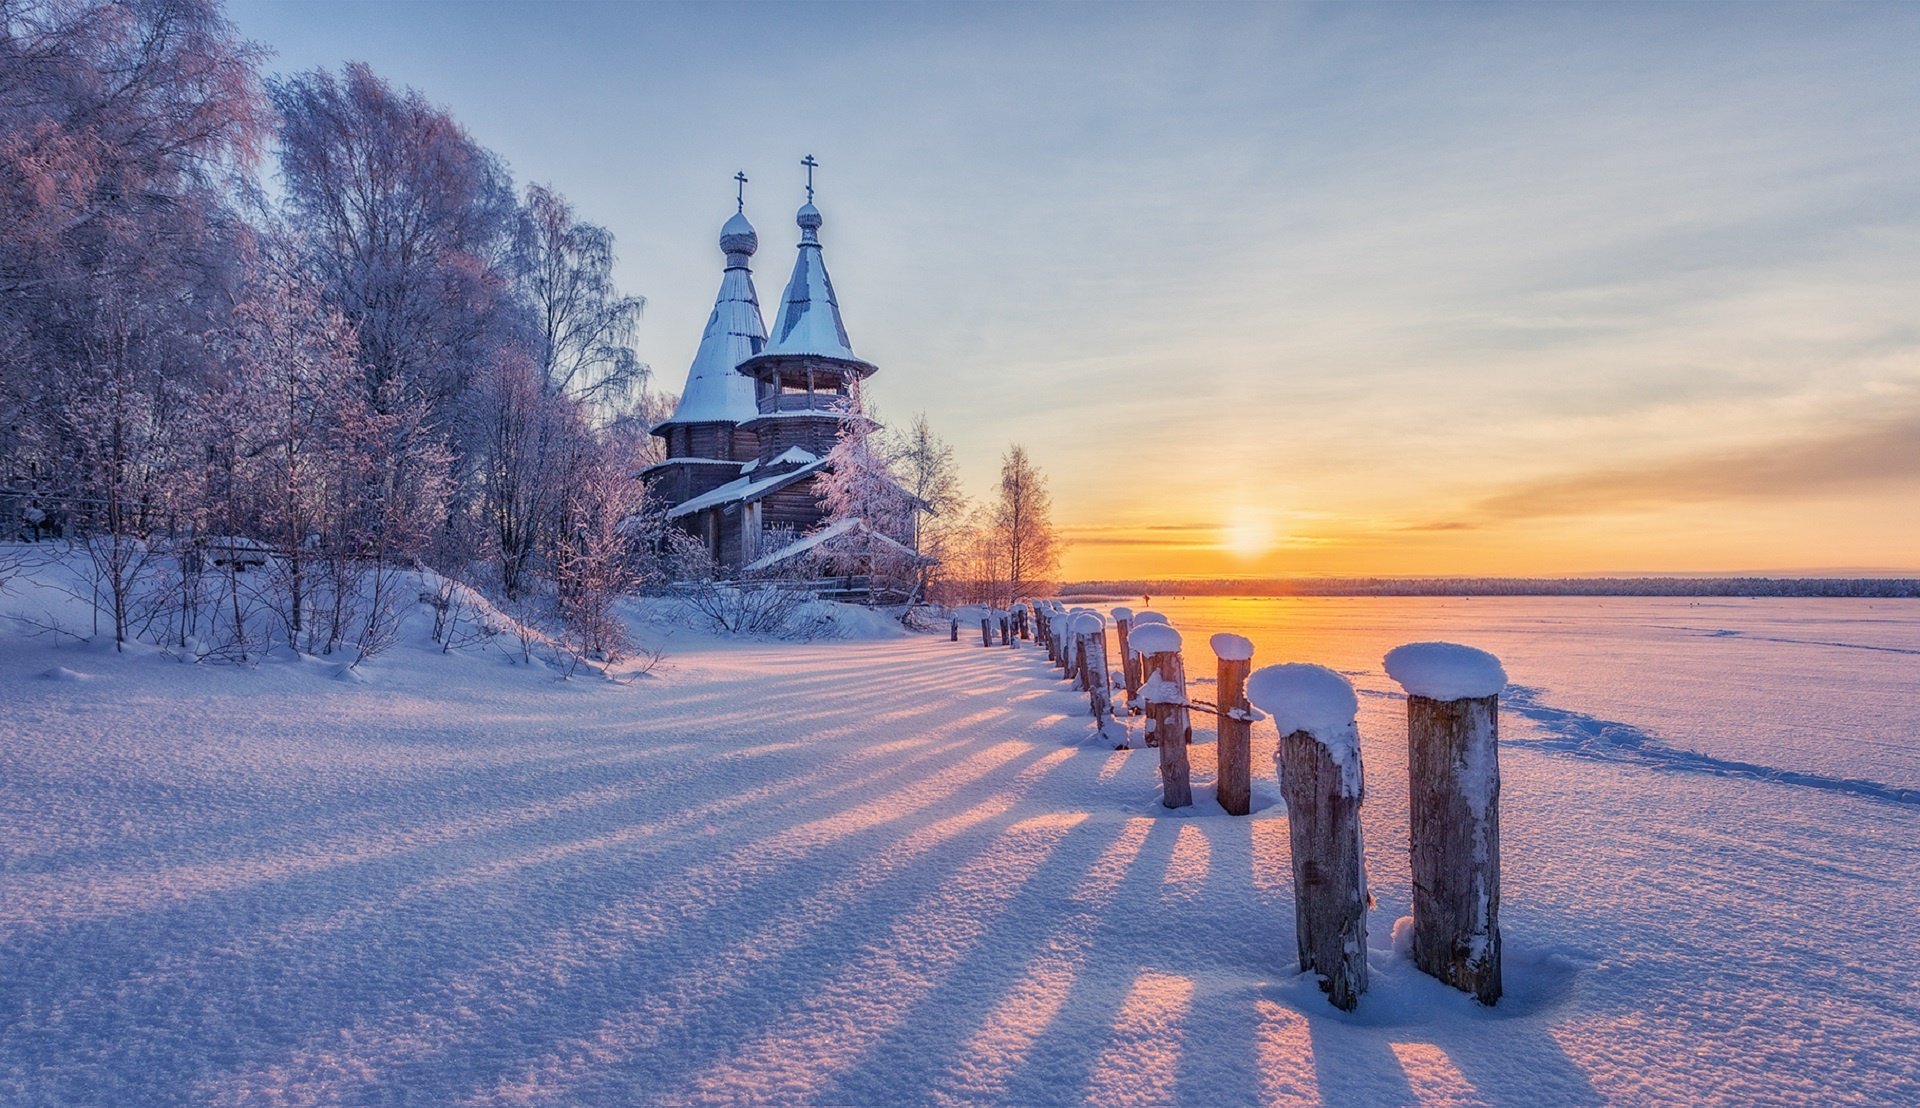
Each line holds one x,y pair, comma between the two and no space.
1153,638
1232,647
1445,671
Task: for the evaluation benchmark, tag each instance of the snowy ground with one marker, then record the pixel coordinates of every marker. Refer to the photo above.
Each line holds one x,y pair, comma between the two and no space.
889,871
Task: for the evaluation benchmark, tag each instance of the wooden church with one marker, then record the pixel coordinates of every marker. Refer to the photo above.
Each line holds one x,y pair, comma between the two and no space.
761,412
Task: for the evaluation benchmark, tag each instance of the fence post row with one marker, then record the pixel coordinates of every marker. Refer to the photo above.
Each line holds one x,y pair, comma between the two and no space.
1164,693
1453,763
1453,735
1318,759
1234,743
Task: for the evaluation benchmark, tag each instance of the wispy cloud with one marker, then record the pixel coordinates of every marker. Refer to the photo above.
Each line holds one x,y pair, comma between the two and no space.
1879,452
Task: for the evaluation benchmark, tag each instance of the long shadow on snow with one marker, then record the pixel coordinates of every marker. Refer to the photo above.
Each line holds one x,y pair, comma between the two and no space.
757,962
1605,740
179,944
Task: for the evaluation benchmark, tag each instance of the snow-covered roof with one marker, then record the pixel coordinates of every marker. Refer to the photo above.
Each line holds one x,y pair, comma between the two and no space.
808,321
743,489
801,546
735,332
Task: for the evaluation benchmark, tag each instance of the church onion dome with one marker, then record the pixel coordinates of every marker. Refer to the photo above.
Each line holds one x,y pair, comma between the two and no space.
808,322
735,332
737,236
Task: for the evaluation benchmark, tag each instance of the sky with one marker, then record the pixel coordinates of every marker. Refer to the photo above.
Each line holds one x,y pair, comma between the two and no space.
1269,290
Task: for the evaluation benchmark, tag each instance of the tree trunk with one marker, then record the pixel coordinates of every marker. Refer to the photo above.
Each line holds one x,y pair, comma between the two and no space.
1454,820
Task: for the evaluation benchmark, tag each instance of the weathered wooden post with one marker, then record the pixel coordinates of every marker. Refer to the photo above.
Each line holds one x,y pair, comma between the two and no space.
1129,665
1164,692
1234,744
1453,760
1091,632
1040,616
1006,628
1063,641
953,630
1320,775
986,627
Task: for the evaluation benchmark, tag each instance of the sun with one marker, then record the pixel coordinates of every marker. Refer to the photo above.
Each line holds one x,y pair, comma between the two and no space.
1247,535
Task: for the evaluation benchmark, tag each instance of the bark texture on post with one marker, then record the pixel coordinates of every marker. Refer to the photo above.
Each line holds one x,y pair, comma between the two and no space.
954,630
1234,745
1165,694
1454,812
1329,868
1099,682
1321,777
1129,664
986,630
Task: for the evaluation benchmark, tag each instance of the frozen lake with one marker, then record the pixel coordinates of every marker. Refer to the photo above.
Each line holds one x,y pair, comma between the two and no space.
1824,688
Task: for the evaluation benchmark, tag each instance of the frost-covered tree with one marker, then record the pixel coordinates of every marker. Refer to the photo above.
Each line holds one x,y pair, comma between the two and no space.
865,501
924,464
598,553
276,432
122,126
584,327
1023,523
409,225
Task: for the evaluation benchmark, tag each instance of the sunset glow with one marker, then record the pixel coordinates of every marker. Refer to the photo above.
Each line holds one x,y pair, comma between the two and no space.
1614,289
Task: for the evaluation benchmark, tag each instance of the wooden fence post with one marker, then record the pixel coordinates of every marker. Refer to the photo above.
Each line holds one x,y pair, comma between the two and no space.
1453,761
1164,692
986,627
1320,774
1129,664
953,630
1234,744
1091,635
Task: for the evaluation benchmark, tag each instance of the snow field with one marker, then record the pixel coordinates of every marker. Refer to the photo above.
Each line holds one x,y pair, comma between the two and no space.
882,872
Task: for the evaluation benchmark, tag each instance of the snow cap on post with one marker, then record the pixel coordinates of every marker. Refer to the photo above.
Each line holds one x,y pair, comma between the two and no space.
1086,623
1154,638
1122,613
1445,671
1232,648
1152,617
1312,699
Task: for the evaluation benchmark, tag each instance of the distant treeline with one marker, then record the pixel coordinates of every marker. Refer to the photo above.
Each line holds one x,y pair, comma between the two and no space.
1509,586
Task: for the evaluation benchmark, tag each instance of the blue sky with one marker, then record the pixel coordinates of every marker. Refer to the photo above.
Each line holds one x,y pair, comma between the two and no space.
1269,289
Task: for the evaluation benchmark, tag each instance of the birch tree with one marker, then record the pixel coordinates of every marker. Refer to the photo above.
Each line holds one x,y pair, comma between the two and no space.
1023,525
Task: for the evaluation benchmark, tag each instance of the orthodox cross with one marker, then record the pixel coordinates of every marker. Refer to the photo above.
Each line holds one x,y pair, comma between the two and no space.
741,198
811,166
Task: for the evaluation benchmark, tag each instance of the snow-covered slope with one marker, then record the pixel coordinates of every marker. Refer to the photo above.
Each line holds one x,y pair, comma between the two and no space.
885,872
